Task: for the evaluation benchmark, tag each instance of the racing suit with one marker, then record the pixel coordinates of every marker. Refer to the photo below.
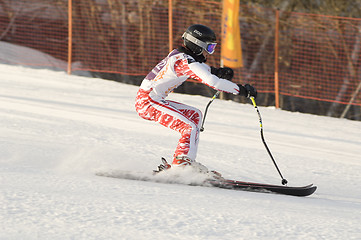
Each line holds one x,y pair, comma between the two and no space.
168,74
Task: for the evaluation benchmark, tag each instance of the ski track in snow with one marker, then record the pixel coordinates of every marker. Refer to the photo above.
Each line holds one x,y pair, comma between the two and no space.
58,131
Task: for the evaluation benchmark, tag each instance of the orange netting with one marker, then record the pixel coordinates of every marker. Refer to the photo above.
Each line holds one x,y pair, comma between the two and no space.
322,60
35,24
319,56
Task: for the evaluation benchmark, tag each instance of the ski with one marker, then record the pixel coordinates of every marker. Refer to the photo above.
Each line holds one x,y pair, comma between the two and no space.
202,180
259,187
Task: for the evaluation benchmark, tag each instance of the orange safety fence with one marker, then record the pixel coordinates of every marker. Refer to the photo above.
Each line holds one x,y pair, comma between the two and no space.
37,25
318,57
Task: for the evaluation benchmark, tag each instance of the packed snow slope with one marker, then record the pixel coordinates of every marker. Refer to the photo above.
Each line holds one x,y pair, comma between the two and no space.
58,131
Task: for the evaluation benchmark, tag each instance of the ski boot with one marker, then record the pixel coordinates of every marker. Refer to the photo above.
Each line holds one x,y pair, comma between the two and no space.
186,161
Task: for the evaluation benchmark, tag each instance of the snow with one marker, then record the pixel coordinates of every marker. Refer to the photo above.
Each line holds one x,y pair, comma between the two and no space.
58,131
15,54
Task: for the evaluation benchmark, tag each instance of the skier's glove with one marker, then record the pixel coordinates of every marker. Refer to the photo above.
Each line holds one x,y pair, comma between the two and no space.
225,73
247,91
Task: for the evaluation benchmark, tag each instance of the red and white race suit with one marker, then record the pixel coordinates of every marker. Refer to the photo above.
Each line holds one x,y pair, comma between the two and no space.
168,74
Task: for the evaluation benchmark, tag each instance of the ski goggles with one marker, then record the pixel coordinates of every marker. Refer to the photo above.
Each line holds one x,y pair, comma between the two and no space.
209,47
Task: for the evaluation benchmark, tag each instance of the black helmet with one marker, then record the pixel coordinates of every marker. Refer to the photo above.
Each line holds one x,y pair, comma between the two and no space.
198,37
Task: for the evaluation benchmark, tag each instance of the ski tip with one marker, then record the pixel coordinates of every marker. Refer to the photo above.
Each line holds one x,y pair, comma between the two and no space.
312,190
164,161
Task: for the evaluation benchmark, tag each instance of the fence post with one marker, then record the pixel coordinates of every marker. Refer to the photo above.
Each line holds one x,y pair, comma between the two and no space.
70,34
170,24
277,97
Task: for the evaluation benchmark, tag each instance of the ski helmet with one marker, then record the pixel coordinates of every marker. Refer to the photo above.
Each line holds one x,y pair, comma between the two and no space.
198,37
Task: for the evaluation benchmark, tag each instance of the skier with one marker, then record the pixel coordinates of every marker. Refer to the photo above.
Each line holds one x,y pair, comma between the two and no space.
188,61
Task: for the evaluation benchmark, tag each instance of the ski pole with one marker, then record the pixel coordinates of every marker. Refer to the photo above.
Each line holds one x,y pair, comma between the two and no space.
284,181
205,112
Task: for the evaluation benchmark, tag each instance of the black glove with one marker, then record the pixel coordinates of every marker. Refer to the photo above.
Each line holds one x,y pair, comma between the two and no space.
247,91
225,73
